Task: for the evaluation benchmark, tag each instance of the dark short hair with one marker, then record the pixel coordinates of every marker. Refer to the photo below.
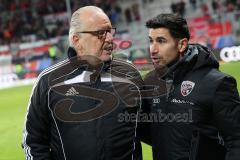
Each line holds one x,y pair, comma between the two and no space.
176,25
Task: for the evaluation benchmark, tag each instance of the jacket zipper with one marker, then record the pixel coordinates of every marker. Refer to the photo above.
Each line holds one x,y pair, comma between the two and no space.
194,146
220,139
169,85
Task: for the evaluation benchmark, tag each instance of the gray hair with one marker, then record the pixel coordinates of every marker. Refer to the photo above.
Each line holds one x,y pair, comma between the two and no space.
75,23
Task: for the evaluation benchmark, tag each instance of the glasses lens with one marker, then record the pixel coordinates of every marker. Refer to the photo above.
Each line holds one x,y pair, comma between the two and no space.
101,33
113,31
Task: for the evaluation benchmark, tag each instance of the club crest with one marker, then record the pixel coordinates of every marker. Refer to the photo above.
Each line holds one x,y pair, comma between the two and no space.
187,87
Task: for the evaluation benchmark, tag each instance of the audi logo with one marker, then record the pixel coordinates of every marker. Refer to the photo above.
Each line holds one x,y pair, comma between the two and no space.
229,54
156,100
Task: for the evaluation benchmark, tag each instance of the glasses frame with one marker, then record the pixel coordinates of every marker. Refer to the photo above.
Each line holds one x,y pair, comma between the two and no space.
101,35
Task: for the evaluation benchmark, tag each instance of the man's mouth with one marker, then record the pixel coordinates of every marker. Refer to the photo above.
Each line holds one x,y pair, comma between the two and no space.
155,59
108,49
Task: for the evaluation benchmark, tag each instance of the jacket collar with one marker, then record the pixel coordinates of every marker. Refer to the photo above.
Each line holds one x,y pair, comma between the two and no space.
72,56
196,57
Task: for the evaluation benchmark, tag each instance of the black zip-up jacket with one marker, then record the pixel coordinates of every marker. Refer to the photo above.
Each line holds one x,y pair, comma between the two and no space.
196,109
80,112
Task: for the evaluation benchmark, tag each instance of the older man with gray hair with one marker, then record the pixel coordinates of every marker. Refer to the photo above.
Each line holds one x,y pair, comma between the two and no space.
79,107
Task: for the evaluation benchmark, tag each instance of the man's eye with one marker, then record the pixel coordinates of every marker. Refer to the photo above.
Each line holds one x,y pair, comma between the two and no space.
161,41
101,33
150,40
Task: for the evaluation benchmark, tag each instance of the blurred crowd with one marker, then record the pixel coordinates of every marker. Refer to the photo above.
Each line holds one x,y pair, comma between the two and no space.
216,6
25,20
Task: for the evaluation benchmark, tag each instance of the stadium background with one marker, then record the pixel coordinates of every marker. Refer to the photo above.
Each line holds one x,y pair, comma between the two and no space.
33,36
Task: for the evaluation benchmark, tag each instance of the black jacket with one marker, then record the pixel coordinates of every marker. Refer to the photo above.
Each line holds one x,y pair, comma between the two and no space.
78,112
196,109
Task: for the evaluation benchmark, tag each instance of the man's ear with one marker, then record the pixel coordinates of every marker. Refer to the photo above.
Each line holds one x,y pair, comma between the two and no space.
182,45
76,41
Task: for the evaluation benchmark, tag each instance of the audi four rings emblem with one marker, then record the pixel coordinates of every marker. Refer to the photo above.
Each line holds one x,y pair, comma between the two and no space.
156,100
229,54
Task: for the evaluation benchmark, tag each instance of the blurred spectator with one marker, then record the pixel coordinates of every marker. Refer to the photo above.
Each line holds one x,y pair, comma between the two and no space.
42,7
19,69
181,8
24,4
7,35
215,5
230,5
2,7
113,17
205,9
173,7
193,4
178,8
13,6
135,10
128,15
238,4
118,11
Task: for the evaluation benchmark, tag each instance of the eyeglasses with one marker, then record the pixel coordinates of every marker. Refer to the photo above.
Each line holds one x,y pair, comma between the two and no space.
101,33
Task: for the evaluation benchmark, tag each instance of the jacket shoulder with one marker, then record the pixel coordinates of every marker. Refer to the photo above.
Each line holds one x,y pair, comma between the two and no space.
216,75
123,69
215,80
44,77
123,63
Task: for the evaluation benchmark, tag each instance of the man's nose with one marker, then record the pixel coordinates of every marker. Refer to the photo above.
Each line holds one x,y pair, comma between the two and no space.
153,49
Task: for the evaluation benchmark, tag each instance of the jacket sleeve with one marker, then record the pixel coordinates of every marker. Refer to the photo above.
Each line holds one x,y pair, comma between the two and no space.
144,126
226,110
36,129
